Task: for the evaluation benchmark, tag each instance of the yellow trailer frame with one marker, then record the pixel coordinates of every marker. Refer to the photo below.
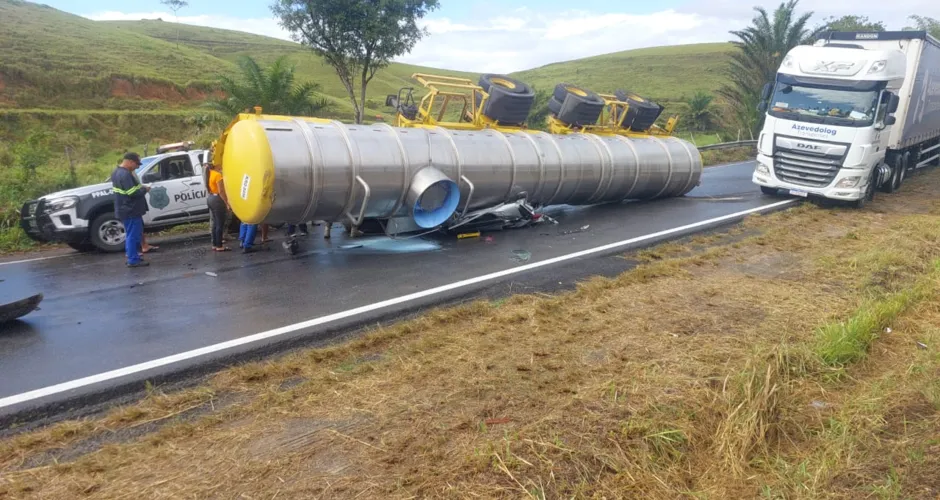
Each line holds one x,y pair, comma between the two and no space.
451,90
446,91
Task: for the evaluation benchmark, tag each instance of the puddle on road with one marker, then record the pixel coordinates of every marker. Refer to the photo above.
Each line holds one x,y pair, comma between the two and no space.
384,244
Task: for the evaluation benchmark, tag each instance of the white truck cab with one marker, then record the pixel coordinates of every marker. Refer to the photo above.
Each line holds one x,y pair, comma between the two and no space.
841,119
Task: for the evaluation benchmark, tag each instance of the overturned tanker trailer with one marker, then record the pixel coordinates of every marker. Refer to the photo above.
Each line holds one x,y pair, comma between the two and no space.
280,169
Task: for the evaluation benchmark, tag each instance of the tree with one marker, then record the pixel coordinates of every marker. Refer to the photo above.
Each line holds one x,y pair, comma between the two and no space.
273,88
849,23
924,23
356,37
175,6
760,50
699,114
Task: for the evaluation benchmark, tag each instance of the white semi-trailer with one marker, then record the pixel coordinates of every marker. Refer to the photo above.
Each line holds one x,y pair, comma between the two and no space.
850,114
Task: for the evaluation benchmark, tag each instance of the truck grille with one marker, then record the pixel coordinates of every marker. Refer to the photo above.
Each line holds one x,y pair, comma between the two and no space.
806,170
807,162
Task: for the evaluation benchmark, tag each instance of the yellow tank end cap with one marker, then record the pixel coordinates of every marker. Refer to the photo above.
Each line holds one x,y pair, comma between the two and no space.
248,171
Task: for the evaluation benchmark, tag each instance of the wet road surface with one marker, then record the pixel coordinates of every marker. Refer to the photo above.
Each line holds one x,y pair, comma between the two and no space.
99,316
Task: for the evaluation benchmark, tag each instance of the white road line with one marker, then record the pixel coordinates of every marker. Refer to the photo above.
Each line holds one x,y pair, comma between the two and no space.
176,358
24,261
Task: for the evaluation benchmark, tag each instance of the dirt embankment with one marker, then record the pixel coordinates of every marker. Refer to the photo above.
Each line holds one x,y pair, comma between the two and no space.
792,357
124,88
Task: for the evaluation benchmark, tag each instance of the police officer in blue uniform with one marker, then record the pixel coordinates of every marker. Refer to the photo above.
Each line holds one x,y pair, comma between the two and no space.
130,205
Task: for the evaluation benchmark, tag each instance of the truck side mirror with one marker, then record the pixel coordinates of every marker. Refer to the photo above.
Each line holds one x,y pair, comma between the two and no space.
762,106
890,120
765,92
893,102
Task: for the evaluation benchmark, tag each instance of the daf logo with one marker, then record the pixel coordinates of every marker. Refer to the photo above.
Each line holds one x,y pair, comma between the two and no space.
833,66
810,147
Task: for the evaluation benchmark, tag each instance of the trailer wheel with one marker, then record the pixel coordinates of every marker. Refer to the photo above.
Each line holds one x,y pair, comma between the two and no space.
641,114
511,85
107,233
510,100
580,106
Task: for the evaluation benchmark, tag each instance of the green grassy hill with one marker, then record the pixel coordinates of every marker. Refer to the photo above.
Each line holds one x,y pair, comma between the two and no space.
54,60
665,74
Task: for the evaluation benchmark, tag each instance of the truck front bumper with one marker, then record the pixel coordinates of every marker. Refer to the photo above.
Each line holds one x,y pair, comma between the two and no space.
43,226
848,185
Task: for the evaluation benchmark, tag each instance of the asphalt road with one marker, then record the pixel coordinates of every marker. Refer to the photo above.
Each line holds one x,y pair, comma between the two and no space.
102,324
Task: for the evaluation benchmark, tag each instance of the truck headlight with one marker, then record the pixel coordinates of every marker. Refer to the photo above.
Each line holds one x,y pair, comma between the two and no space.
61,204
762,169
848,182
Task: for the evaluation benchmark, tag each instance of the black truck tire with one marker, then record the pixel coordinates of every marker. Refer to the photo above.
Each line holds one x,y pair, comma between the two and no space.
554,105
898,173
510,85
579,107
107,233
510,100
641,114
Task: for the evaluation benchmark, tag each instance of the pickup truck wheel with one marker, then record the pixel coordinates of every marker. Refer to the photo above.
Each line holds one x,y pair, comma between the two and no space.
107,233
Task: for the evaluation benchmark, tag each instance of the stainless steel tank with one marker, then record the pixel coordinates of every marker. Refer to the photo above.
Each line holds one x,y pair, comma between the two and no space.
284,169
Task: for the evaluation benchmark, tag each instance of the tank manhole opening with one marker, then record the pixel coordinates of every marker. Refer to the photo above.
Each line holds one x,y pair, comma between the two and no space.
436,204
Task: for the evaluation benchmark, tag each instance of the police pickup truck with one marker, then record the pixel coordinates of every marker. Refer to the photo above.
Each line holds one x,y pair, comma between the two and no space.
84,217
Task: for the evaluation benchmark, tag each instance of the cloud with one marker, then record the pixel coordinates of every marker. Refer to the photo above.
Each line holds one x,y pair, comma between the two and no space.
524,38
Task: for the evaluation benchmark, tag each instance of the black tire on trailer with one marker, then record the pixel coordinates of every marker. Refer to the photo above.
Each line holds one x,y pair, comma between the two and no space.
510,85
580,106
554,105
510,100
769,191
642,113
561,91
107,233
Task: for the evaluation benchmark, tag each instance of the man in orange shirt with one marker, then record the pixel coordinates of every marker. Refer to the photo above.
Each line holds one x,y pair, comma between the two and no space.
218,207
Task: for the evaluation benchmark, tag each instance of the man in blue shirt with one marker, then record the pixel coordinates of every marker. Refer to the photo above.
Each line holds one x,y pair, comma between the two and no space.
130,205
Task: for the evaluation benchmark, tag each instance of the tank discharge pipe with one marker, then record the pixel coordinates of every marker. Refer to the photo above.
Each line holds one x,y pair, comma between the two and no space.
284,169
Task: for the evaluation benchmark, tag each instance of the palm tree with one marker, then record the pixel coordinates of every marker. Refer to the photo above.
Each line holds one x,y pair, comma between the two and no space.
273,88
761,48
699,115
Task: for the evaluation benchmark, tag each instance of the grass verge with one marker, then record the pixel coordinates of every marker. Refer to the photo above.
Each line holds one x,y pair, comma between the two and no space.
704,372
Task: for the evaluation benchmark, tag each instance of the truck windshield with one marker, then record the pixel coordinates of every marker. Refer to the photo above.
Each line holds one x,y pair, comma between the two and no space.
849,108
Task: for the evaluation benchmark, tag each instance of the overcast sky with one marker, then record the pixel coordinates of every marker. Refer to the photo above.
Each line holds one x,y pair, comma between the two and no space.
505,36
